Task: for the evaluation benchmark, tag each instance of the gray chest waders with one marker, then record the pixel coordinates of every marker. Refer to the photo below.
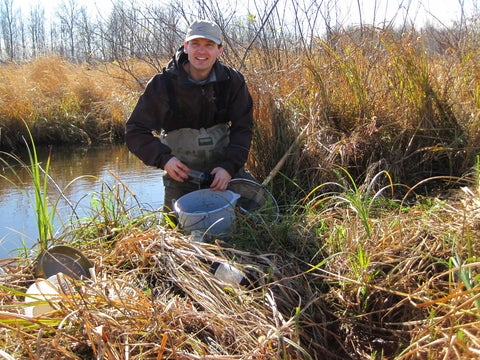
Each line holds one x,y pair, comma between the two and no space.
199,149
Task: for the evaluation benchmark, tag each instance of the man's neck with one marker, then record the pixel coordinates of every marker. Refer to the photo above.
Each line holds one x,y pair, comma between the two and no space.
195,74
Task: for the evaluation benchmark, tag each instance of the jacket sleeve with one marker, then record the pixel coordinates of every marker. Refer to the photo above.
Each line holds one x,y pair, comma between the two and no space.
240,114
146,121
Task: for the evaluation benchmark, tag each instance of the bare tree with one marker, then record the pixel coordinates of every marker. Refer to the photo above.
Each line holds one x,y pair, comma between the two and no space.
67,15
118,31
148,33
36,29
86,35
151,31
23,41
8,22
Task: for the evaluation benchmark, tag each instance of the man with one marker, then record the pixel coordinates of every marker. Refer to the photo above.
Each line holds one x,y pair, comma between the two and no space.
196,115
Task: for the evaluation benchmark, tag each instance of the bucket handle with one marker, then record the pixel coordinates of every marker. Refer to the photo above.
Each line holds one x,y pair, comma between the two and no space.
216,222
199,221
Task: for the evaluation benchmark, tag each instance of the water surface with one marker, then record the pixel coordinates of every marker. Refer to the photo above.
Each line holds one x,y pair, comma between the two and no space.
78,173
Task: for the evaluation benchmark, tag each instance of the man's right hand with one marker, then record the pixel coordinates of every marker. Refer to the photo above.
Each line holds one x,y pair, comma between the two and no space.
177,170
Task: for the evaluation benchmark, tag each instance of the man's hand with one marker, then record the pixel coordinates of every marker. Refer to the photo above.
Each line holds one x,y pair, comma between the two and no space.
221,180
177,170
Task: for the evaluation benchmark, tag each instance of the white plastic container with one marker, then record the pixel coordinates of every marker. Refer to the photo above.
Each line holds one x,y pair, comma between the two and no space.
43,294
207,210
229,274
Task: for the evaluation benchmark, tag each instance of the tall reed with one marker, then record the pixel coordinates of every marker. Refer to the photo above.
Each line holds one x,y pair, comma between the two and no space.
44,208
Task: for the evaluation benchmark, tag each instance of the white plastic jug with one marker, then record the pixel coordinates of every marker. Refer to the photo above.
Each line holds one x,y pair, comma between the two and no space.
43,295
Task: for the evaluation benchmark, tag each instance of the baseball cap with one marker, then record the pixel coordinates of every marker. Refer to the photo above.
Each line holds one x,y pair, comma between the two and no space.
204,29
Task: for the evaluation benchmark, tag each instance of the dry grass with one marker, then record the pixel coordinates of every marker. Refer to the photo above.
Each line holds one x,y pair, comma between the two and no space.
63,103
380,102
154,297
323,289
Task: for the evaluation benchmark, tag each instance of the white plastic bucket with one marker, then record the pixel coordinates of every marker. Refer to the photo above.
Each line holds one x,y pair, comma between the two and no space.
207,211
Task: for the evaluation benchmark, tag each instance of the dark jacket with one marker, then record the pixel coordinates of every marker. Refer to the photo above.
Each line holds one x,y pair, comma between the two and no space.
172,101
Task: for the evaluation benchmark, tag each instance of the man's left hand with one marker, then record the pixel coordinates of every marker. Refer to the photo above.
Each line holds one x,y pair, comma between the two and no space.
221,180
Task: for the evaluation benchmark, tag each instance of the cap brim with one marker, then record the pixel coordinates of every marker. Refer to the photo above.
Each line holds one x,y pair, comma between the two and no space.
192,37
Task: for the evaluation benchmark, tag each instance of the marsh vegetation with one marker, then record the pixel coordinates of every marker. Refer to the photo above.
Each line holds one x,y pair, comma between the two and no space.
375,254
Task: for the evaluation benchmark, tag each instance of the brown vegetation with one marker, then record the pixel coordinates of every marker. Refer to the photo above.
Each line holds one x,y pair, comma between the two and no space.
324,285
354,268
63,103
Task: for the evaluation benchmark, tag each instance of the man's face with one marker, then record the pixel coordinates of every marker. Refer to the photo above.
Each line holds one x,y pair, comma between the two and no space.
202,53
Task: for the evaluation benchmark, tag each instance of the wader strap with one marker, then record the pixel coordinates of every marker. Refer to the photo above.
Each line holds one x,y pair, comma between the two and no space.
221,88
171,93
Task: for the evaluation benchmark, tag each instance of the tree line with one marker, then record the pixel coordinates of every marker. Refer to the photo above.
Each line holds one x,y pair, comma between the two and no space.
153,31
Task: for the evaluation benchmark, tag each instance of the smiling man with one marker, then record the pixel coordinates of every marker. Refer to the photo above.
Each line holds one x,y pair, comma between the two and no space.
195,115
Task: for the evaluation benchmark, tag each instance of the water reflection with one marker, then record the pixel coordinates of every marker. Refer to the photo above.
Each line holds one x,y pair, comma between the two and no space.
78,173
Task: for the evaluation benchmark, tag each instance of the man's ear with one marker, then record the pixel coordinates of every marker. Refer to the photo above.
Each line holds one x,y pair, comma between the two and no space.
185,45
